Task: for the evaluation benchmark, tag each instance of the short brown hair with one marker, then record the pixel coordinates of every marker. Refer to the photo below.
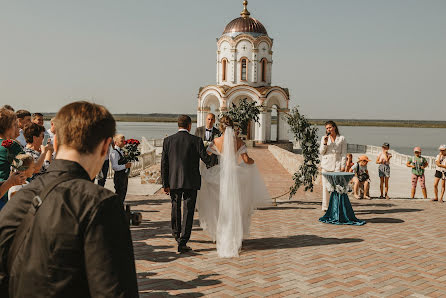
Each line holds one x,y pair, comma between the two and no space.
27,160
32,130
184,121
22,114
225,121
83,125
35,115
8,107
7,118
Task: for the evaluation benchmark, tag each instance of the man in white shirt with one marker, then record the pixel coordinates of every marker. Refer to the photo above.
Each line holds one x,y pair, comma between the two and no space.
52,130
23,119
120,166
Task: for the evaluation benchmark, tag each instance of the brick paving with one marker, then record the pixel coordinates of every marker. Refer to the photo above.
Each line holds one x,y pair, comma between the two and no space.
400,252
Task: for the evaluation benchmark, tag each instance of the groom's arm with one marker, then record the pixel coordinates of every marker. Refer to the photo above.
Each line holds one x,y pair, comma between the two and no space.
204,156
165,164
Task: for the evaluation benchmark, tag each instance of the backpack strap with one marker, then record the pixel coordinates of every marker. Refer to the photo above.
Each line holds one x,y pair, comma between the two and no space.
28,220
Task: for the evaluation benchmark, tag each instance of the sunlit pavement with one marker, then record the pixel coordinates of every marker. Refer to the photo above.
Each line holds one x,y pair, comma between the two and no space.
401,251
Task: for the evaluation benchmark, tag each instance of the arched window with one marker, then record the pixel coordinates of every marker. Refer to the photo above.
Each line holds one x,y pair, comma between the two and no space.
243,69
224,63
264,64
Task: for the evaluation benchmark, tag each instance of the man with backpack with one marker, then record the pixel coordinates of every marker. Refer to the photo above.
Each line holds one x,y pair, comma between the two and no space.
62,235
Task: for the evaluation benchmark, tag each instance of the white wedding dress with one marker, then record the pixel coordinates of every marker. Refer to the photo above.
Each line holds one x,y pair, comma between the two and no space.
228,196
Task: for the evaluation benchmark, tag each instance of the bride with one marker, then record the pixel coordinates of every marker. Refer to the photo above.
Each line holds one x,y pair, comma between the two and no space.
230,192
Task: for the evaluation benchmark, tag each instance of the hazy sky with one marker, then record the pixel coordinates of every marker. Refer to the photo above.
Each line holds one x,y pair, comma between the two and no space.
377,59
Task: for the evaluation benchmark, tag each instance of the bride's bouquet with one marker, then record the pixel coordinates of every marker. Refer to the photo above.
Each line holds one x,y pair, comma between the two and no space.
131,151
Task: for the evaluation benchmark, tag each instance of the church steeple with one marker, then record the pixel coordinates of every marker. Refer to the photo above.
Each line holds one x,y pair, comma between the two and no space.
245,13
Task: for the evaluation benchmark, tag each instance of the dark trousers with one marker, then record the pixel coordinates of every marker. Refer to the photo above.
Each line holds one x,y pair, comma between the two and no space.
182,225
104,171
121,180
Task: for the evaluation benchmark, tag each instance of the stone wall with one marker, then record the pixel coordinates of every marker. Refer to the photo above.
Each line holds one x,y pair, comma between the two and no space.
289,160
152,175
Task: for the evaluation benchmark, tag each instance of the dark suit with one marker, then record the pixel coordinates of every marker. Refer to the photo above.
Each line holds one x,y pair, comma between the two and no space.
180,172
201,132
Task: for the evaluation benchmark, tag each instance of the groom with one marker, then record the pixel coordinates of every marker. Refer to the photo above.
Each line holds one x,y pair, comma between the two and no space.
208,133
181,177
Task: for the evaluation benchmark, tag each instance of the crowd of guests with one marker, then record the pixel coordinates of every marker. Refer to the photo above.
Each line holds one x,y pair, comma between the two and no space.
75,231
31,142
334,158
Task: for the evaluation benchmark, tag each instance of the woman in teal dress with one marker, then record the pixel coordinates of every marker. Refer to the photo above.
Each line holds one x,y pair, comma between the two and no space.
8,149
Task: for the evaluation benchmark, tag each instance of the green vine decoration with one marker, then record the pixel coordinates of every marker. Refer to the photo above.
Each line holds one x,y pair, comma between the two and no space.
306,134
243,113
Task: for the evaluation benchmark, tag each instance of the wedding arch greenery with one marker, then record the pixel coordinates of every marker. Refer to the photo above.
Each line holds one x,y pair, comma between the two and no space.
243,113
306,134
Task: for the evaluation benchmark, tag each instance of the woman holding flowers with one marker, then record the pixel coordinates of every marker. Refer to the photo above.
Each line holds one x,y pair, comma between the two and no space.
9,149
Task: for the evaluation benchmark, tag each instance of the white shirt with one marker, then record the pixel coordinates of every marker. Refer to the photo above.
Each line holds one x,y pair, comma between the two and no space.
50,134
114,157
208,133
183,129
15,189
21,138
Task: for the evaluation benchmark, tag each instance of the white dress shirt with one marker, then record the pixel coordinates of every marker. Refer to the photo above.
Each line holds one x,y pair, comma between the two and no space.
21,138
114,157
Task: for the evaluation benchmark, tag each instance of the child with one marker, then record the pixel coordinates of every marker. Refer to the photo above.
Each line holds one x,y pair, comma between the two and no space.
361,177
418,164
24,164
440,173
384,169
349,164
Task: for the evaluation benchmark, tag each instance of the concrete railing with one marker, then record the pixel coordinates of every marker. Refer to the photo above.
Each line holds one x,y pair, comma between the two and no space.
145,160
398,158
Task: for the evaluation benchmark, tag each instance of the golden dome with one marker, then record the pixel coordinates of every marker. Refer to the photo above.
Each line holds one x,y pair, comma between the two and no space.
245,24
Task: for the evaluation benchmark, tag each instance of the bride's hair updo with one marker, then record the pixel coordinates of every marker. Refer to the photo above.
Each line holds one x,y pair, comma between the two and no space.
225,121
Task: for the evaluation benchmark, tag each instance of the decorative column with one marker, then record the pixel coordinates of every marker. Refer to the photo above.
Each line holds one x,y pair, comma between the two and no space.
201,116
283,125
218,68
260,128
268,125
233,65
255,64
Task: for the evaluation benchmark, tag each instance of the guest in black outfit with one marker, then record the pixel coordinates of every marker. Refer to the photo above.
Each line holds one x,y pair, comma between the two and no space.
207,134
78,243
181,177
120,166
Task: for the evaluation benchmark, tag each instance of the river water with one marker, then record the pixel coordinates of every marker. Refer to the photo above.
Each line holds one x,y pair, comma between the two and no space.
401,139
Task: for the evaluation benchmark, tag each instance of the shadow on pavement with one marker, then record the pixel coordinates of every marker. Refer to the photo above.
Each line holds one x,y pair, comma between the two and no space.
293,242
165,284
384,220
397,210
371,204
284,208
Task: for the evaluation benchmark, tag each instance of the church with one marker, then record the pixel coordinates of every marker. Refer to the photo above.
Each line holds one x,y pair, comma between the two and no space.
244,70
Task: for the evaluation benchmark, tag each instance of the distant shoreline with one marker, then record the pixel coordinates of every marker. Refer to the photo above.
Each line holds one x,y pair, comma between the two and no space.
158,117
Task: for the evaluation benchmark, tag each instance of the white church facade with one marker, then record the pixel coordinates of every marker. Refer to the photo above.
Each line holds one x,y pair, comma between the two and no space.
244,70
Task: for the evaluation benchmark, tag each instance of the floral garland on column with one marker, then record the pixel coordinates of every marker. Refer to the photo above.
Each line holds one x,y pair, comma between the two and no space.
306,134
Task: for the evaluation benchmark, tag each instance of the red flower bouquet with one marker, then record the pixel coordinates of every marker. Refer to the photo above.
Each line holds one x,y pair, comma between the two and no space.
131,151
7,144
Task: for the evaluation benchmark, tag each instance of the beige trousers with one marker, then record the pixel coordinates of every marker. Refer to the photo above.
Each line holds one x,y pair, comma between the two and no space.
325,192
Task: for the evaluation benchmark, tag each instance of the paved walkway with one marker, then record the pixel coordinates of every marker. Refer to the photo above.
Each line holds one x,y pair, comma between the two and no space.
401,251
